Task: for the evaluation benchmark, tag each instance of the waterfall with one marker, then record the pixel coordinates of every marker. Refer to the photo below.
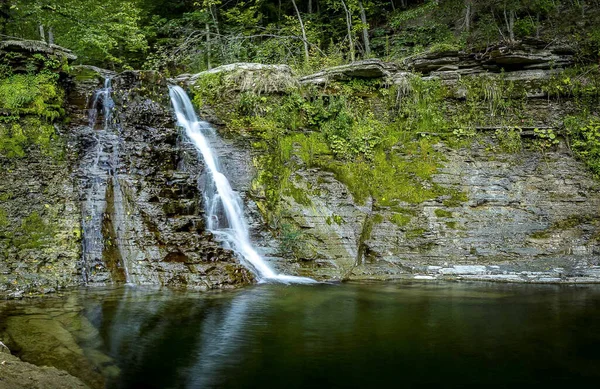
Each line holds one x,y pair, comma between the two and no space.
220,199
99,168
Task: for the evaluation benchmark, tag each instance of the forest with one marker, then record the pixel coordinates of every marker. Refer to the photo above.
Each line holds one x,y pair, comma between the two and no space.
192,35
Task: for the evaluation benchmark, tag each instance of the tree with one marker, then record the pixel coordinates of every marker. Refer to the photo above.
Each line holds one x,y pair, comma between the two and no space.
101,34
365,28
305,41
350,32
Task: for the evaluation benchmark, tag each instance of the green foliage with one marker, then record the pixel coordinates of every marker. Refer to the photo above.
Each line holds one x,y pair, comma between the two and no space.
106,34
191,36
424,107
31,94
585,139
29,104
544,139
580,83
509,140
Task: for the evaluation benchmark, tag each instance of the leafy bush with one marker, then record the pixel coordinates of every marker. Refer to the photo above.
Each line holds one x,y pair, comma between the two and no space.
29,104
585,139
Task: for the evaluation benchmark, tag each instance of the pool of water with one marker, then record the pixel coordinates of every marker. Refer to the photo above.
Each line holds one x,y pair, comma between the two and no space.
335,336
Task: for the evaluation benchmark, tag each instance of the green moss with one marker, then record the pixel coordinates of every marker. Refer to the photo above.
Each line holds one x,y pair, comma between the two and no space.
416,233
35,232
400,220
337,219
543,234
377,218
564,224
452,225
456,199
442,213
299,195
4,222
30,103
571,222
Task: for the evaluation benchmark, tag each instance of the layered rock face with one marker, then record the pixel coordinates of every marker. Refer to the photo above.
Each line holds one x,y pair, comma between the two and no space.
39,213
121,202
153,222
524,215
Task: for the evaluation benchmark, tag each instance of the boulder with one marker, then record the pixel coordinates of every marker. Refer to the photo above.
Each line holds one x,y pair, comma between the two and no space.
256,77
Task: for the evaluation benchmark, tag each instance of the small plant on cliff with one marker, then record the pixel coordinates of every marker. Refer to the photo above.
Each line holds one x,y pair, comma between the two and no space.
544,139
291,241
585,139
509,140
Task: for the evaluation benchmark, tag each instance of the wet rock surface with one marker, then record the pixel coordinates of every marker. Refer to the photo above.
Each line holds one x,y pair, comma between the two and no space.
40,252
155,218
525,212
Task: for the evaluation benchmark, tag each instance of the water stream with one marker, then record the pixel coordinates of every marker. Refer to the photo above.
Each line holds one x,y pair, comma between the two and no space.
224,208
99,169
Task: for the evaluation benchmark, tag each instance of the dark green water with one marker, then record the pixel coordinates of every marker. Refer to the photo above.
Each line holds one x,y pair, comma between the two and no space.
334,336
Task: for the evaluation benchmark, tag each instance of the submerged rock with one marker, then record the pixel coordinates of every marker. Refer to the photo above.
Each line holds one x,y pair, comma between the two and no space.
15,373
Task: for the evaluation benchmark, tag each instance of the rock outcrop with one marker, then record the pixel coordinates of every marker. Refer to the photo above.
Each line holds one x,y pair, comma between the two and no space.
369,68
522,217
153,226
525,56
241,77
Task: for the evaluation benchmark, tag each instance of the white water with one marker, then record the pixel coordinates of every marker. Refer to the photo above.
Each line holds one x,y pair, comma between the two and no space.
234,232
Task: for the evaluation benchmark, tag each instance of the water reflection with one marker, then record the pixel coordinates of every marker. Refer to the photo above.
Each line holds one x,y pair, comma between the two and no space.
449,335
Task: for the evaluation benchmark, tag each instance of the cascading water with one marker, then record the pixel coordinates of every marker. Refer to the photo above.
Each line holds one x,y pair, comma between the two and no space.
99,168
220,199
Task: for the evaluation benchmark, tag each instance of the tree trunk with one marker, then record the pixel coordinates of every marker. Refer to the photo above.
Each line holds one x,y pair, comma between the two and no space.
4,15
208,66
51,35
468,16
509,19
305,41
310,6
42,34
349,25
213,14
363,19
